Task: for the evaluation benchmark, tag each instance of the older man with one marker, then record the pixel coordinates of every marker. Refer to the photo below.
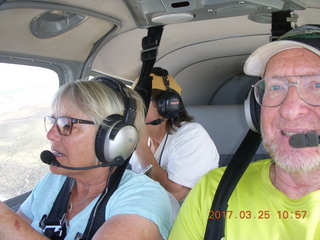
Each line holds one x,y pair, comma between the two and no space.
275,198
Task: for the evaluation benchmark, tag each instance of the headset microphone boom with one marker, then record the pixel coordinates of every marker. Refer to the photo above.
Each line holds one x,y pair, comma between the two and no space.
48,158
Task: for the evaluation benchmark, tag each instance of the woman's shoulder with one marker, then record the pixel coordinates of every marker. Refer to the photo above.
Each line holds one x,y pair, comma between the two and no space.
190,127
51,180
139,187
138,191
139,194
191,131
49,184
191,124
131,179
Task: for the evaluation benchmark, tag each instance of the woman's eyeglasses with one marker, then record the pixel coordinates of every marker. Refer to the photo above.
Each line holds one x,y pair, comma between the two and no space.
64,124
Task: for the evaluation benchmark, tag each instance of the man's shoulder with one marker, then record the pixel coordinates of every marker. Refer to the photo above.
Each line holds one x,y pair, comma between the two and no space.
210,180
258,165
213,177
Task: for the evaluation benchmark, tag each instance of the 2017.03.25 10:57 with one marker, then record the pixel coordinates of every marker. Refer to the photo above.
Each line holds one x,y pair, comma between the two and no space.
259,215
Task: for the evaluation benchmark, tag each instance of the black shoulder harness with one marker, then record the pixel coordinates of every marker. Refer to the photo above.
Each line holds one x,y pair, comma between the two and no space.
229,180
54,225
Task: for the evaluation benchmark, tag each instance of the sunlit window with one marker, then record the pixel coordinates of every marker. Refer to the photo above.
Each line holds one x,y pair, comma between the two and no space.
25,96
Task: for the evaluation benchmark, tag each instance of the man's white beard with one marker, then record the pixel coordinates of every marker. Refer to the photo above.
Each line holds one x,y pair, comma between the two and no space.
292,160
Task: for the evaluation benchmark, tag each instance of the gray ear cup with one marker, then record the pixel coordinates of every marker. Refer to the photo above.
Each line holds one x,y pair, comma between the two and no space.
117,137
116,141
252,112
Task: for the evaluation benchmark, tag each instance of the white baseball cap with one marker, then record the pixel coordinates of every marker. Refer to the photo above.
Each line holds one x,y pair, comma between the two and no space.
306,36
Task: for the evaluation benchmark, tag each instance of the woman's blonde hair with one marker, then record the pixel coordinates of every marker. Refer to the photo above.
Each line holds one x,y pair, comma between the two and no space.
98,101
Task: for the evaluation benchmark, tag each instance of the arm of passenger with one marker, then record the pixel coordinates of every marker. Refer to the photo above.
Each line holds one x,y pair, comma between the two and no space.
192,218
128,226
12,226
158,173
24,217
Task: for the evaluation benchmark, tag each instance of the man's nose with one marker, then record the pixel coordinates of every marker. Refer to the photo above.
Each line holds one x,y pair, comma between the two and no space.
293,105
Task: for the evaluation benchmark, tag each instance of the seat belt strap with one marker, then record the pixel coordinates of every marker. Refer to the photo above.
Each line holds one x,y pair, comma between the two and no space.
235,169
98,213
244,154
54,225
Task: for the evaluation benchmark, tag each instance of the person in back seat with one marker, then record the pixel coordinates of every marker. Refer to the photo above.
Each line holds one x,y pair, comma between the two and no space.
275,198
93,128
179,149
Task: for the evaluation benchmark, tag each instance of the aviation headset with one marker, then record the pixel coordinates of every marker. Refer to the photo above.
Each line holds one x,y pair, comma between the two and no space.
252,112
169,102
117,138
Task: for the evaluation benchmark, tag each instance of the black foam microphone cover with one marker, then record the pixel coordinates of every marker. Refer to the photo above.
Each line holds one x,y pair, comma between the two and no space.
48,157
302,140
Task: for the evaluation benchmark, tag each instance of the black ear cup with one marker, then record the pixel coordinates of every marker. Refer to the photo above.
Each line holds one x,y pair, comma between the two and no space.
252,112
117,137
169,104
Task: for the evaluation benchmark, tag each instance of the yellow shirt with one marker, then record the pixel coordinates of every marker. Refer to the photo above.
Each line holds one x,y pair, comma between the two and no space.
257,210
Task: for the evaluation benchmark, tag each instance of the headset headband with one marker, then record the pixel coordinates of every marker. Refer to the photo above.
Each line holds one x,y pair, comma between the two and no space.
130,105
164,74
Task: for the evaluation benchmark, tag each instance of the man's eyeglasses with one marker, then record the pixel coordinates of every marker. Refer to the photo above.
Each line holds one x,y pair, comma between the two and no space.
271,92
64,124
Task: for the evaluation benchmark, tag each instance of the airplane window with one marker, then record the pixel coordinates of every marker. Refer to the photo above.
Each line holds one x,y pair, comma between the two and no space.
25,96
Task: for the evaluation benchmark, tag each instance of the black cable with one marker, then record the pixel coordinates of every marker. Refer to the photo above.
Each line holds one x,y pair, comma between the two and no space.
100,200
165,141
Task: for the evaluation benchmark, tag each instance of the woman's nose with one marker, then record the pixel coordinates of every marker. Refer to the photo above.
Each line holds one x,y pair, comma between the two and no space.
53,133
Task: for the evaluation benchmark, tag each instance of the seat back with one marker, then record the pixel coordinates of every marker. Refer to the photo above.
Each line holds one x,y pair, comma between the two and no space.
227,126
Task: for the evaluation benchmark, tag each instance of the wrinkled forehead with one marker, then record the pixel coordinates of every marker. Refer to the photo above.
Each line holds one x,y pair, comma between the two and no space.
293,62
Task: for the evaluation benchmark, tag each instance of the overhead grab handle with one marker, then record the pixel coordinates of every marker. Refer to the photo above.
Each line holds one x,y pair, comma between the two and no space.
150,44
